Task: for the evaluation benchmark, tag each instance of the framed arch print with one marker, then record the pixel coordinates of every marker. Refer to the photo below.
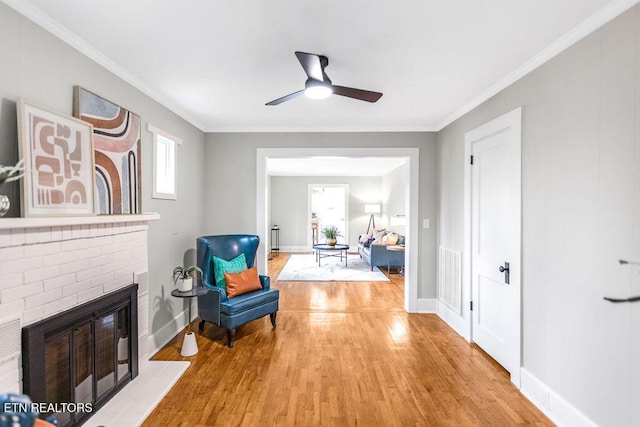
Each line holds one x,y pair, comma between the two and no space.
117,145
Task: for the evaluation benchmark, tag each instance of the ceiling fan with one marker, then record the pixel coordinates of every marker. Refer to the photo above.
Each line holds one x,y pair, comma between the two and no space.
318,84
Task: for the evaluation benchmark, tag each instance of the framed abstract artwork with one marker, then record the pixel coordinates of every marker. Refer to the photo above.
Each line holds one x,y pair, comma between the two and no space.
116,141
58,160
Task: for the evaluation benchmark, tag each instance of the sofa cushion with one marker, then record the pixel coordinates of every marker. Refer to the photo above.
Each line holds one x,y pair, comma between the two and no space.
248,301
390,239
243,282
378,234
365,237
221,266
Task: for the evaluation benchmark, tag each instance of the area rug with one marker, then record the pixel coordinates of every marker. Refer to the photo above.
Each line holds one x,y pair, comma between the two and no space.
304,267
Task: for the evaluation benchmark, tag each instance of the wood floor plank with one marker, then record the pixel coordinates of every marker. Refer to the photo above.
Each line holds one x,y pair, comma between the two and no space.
346,354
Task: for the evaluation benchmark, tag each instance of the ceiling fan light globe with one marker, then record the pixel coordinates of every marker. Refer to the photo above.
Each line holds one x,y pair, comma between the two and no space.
318,92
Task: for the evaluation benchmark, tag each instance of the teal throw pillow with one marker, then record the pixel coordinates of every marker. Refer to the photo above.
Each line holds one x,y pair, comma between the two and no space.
221,266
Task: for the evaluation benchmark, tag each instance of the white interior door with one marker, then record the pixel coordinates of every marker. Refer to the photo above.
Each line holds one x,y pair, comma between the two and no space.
495,240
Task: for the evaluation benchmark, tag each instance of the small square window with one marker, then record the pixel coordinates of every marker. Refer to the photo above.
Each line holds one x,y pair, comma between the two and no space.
165,164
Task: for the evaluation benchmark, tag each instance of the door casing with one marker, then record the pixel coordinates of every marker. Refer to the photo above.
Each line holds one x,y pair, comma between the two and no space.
463,325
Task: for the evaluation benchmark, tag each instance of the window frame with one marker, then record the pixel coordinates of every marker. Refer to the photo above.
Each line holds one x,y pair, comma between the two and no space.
160,136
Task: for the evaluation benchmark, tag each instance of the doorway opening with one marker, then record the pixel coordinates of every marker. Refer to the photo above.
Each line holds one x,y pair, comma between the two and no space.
328,205
412,158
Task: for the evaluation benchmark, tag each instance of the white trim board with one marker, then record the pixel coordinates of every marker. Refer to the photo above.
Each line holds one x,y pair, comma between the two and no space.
554,406
597,20
427,305
167,333
412,243
37,16
453,319
295,249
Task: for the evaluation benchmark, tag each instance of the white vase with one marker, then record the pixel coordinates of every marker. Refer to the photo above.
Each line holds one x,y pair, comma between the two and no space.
185,285
5,204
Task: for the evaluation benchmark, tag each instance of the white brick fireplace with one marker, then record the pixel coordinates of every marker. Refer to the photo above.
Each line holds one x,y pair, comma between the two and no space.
48,265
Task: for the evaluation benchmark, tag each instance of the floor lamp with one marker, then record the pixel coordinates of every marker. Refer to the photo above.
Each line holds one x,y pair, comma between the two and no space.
372,209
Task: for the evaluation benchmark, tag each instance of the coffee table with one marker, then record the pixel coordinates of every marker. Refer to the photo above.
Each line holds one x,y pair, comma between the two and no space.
326,251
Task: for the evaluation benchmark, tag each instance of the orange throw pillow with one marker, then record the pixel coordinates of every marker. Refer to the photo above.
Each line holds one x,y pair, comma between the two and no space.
243,282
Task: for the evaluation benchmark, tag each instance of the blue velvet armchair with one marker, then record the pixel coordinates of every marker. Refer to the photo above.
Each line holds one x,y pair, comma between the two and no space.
215,306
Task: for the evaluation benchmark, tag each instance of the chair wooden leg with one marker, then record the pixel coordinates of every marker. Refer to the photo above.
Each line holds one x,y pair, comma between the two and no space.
272,316
231,337
201,327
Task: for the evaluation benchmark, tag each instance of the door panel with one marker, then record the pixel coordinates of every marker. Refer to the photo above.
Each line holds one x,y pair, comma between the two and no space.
492,198
495,239
491,328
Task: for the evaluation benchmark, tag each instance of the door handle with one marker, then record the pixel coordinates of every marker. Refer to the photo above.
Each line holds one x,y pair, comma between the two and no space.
505,269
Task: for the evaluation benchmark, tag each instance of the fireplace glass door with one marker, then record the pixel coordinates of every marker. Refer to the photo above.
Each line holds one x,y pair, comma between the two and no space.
85,358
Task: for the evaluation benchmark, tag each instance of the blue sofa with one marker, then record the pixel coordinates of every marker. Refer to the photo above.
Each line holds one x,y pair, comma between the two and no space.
378,255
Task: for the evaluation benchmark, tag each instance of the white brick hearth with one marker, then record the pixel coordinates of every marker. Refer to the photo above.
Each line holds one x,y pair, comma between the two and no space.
48,265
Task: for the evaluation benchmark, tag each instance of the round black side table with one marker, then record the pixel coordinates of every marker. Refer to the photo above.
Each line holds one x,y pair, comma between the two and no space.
189,344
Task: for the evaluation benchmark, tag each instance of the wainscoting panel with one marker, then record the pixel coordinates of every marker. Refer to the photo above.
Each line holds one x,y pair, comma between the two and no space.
450,279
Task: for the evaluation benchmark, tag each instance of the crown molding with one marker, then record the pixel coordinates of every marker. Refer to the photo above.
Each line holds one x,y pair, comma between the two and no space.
587,27
318,129
45,21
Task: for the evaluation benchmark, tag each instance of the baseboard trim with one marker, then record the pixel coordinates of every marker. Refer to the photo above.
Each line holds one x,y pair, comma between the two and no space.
453,319
169,331
554,406
353,250
426,305
295,249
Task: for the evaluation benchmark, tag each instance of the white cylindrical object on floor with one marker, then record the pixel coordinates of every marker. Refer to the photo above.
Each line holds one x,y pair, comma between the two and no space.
189,345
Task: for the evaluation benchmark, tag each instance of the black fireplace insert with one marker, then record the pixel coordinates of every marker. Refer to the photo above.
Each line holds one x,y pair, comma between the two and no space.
77,360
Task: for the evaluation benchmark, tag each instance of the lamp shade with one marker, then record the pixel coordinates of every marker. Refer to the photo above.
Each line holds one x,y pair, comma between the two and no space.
372,208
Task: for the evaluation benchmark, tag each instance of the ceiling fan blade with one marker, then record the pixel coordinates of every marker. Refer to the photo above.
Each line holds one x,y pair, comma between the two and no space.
285,98
362,95
313,65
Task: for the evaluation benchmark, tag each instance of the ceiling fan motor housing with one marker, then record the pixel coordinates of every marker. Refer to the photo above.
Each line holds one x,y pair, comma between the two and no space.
319,86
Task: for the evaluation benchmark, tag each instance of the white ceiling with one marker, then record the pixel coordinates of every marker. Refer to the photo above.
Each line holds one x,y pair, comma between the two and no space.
333,166
216,63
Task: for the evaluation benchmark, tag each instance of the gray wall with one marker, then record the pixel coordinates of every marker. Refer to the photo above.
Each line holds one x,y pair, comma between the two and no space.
230,201
289,199
395,193
581,213
42,69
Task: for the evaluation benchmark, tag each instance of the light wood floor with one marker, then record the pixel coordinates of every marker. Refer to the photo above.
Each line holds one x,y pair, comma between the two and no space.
344,353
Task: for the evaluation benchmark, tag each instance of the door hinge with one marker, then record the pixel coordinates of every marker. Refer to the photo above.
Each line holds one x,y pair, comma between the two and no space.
471,305
471,159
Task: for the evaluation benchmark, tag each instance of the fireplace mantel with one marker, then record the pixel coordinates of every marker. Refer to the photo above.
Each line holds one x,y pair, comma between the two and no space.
13,223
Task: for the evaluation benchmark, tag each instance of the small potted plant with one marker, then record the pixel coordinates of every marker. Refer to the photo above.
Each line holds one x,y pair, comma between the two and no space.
183,277
331,234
